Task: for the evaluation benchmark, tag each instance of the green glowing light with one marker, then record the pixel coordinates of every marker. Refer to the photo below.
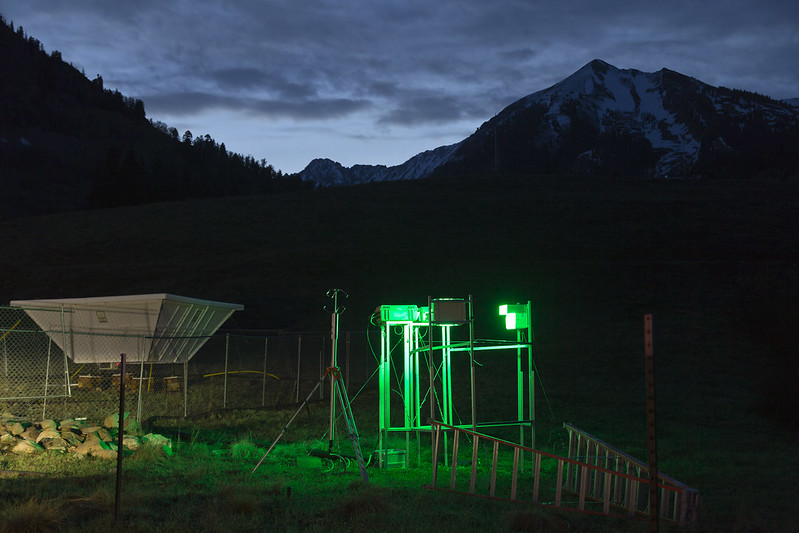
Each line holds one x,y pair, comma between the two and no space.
424,314
515,316
399,313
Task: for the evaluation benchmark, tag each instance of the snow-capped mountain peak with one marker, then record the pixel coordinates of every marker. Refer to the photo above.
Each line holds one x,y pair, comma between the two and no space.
605,120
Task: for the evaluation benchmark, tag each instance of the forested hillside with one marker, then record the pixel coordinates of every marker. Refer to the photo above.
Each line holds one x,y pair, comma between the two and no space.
67,142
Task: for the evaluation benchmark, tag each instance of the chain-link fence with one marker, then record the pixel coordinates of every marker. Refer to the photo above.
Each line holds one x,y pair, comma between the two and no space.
40,380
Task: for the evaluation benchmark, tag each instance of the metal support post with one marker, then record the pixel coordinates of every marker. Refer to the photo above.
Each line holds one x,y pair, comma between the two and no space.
227,350
334,319
120,437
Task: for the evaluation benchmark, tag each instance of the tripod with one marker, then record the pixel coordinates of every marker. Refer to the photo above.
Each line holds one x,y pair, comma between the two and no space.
337,390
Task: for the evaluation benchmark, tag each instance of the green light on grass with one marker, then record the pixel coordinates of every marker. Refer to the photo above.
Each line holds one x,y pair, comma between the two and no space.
515,316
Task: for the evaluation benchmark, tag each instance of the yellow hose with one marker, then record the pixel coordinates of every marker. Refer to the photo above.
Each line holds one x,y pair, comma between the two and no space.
241,372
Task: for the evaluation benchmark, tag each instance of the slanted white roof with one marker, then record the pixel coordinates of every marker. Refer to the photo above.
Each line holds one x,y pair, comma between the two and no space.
162,328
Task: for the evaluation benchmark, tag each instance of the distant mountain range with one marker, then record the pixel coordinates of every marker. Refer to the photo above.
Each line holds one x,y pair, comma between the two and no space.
607,121
68,143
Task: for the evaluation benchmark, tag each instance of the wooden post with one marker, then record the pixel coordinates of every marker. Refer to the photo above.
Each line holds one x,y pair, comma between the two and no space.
650,424
227,350
120,437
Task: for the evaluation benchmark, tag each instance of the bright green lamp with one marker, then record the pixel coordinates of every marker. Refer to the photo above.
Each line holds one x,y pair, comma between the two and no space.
516,316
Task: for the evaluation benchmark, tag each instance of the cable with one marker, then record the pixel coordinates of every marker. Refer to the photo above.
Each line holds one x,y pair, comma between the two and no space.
365,384
369,339
537,373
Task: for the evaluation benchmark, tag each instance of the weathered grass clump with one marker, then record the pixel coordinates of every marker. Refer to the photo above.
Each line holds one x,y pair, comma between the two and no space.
245,449
32,514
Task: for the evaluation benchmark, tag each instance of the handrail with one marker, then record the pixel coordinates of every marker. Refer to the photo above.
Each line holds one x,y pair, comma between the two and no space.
595,451
619,492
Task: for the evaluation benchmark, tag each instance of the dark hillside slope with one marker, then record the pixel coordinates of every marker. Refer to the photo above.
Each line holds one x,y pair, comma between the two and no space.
715,262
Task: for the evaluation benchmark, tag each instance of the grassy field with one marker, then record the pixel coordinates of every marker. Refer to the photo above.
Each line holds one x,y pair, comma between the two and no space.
714,262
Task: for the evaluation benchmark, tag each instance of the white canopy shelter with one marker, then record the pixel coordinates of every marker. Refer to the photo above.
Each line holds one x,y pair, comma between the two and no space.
159,328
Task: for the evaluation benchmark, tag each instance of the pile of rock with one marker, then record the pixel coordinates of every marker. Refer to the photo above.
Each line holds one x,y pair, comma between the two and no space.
74,436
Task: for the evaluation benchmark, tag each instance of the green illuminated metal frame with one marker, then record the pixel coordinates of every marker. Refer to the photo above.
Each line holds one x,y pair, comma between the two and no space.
420,332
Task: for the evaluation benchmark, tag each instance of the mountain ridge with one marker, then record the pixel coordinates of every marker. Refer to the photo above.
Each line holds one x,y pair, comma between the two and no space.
608,121
332,173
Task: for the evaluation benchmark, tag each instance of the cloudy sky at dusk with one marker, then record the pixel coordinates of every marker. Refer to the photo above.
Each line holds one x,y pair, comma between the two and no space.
379,81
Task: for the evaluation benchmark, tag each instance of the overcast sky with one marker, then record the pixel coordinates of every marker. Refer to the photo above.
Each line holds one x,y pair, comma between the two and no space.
378,81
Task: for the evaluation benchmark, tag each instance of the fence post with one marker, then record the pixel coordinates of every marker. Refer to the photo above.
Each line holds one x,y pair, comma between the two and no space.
224,392
121,428
141,376
47,377
185,388
67,384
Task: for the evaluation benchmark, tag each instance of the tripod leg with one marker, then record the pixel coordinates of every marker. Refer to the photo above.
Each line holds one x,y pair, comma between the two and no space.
304,404
351,429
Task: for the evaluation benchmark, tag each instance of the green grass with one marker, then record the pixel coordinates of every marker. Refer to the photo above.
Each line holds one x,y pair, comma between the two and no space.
714,262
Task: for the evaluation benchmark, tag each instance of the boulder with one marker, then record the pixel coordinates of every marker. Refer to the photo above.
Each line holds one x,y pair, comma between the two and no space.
70,425
104,435
27,447
88,448
76,436
48,434
30,433
48,424
70,438
18,427
55,444
131,442
156,440
98,433
131,426
112,420
105,454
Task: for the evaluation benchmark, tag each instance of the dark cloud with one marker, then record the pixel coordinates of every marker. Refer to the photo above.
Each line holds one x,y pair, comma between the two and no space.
190,103
239,78
246,79
431,109
321,108
389,70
